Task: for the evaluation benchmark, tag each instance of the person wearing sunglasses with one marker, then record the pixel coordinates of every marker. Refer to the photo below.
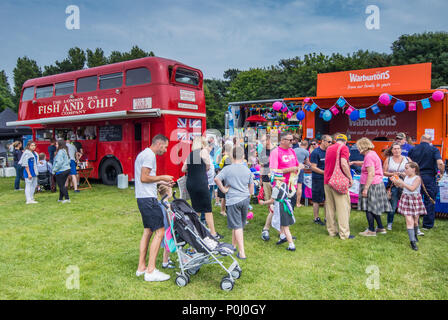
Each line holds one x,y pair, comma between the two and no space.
317,159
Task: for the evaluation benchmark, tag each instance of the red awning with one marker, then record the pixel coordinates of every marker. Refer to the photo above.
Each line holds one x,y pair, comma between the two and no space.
256,118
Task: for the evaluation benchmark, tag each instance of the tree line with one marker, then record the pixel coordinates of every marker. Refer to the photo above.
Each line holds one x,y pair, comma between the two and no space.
292,77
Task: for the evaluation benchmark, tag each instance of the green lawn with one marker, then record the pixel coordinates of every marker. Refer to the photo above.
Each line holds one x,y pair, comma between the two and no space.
99,232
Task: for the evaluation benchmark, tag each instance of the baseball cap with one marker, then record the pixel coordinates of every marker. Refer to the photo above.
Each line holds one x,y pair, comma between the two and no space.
400,135
341,137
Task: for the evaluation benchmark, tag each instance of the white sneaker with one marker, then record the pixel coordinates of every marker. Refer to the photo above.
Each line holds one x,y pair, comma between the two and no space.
420,233
66,201
139,273
389,226
31,202
156,275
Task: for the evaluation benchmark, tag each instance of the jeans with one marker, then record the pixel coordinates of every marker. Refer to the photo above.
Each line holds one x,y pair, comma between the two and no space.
60,179
371,217
431,187
19,175
395,196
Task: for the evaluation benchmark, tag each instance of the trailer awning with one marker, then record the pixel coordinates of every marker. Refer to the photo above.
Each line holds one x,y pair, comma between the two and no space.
90,117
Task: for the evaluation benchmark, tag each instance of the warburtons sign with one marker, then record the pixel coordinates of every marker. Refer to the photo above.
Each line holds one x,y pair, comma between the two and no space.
413,77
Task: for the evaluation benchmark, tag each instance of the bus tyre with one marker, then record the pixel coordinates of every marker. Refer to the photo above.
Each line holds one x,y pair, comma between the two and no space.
110,170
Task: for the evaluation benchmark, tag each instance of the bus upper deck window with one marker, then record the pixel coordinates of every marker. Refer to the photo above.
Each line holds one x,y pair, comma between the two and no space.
28,94
138,76
187,76
86,84
64,88
44,92
110,81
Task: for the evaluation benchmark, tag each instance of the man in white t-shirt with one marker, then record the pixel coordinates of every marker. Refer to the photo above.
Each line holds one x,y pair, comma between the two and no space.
146,182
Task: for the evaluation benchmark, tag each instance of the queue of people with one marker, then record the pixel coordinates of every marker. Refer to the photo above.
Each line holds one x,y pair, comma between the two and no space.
40,173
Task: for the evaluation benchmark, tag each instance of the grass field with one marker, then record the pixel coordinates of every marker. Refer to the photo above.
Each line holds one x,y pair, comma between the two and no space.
100,230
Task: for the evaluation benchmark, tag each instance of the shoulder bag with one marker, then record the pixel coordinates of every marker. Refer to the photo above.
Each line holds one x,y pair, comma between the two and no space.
339,181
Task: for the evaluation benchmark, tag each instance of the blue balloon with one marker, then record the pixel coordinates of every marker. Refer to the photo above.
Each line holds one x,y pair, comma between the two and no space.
399,106
300,115
354,115
327,115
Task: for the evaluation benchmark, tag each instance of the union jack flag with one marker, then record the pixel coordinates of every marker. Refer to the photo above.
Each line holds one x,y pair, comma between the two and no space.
195,123
182,135
181,123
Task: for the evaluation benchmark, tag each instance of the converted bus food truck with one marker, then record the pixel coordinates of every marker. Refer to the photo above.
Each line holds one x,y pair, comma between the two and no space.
115,110
419,110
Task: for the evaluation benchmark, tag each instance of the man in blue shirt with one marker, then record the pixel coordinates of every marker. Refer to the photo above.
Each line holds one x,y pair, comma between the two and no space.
405,147
317,159
429,160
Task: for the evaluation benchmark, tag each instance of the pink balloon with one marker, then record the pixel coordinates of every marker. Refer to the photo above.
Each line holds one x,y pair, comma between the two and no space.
277,105
257,167
289,115
306,100
385,99
250,215
437,95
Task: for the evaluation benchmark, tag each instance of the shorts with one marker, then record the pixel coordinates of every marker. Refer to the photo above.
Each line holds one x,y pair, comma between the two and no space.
318,191
301,176
237,214
73,171
152,214
267,189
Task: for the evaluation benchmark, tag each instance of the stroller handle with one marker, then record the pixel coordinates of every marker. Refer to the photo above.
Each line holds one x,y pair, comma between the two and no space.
163,201
174,194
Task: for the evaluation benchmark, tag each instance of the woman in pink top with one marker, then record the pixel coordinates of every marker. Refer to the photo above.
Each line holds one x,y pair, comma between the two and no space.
373,197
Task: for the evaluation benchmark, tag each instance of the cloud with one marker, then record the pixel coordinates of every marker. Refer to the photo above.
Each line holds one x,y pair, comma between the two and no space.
211,35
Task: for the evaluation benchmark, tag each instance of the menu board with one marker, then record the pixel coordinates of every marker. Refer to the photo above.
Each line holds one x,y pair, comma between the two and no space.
110,133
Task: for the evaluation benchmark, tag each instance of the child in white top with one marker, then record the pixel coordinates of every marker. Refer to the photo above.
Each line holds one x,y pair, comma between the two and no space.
411,203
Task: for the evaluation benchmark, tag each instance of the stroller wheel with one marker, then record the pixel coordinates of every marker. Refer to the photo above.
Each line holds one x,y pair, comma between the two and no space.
193,271
236,273
227,283
181,281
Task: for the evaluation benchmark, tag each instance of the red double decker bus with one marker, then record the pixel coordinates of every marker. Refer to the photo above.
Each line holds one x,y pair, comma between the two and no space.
115,110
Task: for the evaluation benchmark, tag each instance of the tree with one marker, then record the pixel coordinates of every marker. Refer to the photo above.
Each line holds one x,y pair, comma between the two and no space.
25,69
6,97
231,74
426,47
134,53
96,58
75,61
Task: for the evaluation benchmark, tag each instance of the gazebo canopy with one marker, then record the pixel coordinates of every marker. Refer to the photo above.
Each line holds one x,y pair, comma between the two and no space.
8,115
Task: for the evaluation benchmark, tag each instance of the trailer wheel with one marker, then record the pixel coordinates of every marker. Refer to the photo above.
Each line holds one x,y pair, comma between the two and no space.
110,170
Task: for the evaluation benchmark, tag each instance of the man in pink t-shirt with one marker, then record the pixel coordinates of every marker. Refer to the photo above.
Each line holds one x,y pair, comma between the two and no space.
282,159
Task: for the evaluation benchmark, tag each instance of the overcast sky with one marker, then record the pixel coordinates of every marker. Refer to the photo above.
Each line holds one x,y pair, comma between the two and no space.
207,34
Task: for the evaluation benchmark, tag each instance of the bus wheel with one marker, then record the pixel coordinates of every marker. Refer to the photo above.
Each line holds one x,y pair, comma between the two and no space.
109,172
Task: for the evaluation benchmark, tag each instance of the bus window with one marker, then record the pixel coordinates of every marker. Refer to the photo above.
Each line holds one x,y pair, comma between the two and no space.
86,133
44,92
63,134
86,84
110,133
28,94
64,88
187,76
44,134
138,76
110,81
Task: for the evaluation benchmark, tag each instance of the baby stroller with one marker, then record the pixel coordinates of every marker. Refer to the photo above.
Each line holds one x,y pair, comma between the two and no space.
196,247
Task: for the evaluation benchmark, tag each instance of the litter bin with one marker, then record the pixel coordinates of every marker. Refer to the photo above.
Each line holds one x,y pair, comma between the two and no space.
122,181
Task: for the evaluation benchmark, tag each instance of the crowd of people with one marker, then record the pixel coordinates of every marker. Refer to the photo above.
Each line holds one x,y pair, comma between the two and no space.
59,171
227,173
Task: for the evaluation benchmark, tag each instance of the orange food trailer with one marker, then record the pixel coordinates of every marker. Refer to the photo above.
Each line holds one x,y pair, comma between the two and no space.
414,107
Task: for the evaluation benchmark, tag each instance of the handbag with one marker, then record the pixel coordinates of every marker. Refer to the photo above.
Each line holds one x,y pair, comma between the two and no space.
338,181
